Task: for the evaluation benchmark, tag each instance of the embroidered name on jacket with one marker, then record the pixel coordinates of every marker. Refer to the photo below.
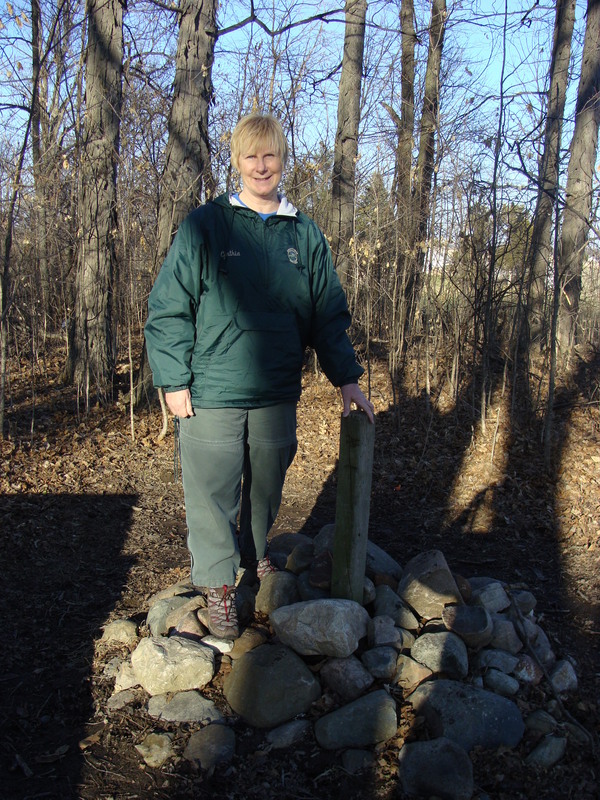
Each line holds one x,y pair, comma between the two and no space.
230,253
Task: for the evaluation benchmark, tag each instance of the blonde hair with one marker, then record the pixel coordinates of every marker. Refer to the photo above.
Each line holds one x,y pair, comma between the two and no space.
258,130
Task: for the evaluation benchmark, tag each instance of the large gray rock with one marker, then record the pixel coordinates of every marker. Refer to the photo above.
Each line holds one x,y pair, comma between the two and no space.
172,664
473,624
384,633
210,746
388,604
500,682
563,677
524,600
277,589
367,721
156,748
381,662
160,612
282,545
380,563
505,636
538,641
288,734
118,701
250,639
188,626
175,617
547,752
428,586
439,767
324,539
184,707
528,671
470,716
442,653
541,721
321,627
492,597
270,685
497,659
181,588
300,558
120,631
409,673
347,677
308,591
126,677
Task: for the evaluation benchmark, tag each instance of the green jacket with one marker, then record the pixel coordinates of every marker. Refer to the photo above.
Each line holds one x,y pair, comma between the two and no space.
237,301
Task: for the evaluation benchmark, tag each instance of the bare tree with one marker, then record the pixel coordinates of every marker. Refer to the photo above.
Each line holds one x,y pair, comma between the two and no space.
92,357
6,276
541,237
187,157
346,139
580,181
52,94
415,197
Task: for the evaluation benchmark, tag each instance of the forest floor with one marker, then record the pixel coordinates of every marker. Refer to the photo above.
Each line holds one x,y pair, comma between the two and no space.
93,525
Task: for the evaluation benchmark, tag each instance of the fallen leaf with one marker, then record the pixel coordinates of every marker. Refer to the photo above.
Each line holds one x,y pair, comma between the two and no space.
48,758
93,738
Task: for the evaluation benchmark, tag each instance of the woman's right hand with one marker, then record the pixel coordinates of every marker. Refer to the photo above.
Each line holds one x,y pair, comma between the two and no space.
180,403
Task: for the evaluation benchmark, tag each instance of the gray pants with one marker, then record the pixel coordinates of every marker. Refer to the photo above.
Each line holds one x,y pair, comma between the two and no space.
233,461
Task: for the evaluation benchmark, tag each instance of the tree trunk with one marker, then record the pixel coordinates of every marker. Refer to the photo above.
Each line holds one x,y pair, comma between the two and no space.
94,346
413,210
6,263
541,247
429,123
37,156
402,188
406,122
187,156
580,181
346,139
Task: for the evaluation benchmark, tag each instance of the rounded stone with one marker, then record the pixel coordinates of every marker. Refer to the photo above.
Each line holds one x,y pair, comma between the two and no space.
473,624
270,685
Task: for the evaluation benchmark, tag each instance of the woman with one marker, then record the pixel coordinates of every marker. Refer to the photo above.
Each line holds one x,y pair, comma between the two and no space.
247,285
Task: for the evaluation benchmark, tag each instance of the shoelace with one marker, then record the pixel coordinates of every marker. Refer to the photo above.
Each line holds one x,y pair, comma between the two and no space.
226,608
265,567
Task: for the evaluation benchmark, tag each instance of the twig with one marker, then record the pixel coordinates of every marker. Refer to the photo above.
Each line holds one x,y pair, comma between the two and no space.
130,385
27,771
495,436
523,635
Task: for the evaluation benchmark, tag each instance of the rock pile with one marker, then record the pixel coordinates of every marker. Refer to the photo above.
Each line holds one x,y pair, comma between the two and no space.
460,653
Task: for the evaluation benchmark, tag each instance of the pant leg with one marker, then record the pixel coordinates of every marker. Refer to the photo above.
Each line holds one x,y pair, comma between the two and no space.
212,457
271,447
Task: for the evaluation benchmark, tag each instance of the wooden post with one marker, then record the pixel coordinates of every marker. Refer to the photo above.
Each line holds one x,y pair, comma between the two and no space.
355,467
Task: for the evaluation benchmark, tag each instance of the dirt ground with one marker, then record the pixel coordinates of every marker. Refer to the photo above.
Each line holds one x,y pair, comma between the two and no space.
93,525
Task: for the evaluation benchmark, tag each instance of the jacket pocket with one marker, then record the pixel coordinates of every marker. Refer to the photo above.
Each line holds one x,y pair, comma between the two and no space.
252,356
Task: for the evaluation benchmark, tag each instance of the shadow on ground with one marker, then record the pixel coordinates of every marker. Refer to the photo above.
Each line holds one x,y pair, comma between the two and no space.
62,572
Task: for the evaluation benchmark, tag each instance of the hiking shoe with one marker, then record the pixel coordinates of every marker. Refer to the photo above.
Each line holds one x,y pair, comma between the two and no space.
265,567
222,612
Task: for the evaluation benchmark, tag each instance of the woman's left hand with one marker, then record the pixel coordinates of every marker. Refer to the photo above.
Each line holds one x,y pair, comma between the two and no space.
351,393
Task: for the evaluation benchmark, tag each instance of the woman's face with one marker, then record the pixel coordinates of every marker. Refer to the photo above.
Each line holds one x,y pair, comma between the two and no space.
260,170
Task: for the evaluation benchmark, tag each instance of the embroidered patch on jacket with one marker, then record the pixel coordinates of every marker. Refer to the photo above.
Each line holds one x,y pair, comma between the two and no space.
292,255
